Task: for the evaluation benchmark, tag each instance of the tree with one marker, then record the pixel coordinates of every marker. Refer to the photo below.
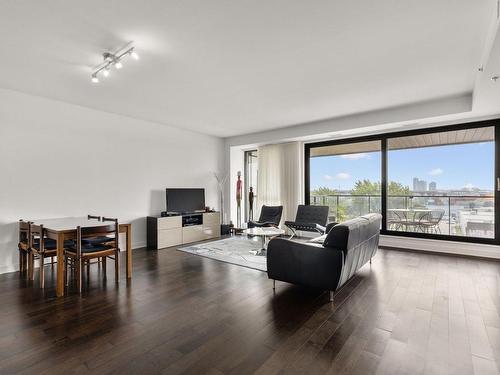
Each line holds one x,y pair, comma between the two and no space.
395,188
331,202
366,187
323,191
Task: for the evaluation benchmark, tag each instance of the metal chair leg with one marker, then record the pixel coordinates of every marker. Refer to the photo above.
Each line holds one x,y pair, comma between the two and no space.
274,284
331,296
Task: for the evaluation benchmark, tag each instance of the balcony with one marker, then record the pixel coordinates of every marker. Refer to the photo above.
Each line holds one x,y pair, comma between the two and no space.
454,215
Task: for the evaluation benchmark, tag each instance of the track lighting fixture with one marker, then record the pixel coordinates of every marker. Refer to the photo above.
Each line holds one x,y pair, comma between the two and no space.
113,59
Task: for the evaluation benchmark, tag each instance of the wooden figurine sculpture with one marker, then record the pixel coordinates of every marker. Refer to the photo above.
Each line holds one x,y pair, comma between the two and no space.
250,204
239,184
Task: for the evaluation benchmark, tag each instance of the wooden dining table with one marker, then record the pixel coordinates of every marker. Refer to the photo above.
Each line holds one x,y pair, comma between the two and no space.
61,229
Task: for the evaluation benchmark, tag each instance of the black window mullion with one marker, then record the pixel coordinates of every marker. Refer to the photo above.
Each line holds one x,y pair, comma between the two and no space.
384,184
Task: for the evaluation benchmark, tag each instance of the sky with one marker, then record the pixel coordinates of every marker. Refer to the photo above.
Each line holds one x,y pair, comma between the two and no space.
452,167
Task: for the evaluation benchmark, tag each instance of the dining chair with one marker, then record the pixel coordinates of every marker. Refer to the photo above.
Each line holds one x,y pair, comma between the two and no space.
41,248
86,249
23,245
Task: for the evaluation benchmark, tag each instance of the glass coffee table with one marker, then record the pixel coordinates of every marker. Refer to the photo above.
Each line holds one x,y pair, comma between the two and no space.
264,233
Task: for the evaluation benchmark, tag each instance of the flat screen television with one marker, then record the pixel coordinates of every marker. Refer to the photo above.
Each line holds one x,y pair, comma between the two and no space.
182,200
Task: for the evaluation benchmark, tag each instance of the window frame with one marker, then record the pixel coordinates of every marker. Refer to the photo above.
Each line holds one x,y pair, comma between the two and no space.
383,138
246,185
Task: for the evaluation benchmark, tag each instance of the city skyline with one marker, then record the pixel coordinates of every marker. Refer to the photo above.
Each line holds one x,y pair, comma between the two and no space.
450,167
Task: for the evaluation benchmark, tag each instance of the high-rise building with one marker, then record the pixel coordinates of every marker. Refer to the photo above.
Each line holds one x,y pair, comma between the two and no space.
432,186
419,185
415,184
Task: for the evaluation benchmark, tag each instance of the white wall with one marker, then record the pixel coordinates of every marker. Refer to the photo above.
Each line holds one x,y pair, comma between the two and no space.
58,159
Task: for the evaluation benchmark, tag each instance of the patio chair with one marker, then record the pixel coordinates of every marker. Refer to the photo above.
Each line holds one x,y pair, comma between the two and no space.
478,229
395,221
429,221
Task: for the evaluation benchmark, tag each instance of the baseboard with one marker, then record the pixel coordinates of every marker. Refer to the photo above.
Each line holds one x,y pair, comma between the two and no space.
442,247
6,268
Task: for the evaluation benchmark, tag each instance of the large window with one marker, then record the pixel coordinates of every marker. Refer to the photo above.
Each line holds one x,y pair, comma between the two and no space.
347,178
448,179
438,183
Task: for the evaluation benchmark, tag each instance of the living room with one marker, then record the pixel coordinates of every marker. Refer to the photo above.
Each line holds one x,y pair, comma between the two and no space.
250,187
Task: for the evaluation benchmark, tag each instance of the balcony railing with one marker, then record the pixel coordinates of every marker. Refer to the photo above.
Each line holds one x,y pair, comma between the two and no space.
457,215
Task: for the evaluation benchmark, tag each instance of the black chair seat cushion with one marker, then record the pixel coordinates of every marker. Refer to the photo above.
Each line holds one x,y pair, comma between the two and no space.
256,224
269,216
50,244
97,240
305,226
88,248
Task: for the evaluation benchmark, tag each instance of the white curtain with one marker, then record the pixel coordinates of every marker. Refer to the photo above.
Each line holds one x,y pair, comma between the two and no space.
281,177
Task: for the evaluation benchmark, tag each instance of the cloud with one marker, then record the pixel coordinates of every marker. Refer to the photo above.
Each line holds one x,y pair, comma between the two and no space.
343,176
469,186
327,177
355,156
436,172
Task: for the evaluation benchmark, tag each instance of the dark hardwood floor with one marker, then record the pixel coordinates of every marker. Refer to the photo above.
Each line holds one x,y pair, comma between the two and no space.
408,313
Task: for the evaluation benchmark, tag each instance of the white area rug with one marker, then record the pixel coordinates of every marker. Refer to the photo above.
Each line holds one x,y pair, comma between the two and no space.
235,250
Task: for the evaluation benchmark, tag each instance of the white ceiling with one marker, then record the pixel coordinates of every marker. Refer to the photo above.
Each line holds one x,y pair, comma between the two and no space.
234,67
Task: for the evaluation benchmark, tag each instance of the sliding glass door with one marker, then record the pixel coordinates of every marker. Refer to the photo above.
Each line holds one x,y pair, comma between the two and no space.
449,183
346,178
438,183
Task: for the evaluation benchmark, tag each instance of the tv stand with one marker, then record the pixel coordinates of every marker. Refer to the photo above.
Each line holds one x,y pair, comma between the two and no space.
167,231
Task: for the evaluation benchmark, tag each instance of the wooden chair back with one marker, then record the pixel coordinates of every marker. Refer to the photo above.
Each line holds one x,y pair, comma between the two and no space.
36,231
24,235
110,231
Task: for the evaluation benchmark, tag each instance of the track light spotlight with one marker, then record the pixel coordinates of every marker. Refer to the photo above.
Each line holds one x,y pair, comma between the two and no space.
113,59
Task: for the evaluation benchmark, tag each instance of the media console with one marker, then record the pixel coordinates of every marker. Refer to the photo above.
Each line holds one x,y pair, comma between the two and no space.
170,231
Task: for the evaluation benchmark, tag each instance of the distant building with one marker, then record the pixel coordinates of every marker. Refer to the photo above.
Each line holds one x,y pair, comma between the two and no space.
432,186
419,185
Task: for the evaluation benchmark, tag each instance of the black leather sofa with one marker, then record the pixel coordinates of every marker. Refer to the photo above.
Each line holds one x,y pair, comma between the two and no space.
326,262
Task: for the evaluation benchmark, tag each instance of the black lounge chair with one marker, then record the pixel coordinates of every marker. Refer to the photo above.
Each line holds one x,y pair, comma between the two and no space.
270,216
309,219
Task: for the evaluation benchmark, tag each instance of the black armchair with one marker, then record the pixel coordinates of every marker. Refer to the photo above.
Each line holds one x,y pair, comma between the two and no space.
270,216
309,219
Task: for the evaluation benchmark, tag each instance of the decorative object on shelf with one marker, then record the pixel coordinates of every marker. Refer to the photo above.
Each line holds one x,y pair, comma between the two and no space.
221,182
239,184
113,59
250,204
